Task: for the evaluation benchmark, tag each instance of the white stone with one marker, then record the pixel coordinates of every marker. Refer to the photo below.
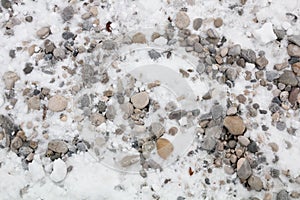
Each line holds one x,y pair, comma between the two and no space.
59,170
36,171
265,34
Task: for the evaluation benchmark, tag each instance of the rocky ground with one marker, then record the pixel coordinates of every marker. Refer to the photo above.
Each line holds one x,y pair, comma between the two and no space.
150,100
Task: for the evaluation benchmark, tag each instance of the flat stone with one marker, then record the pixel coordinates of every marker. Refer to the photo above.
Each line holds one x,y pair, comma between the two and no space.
140,100
288,78
293,50
244,170
58,146
197,23
235,125
255,183
59,171
9,79
164,148
57,103
182,20
43,32
139,38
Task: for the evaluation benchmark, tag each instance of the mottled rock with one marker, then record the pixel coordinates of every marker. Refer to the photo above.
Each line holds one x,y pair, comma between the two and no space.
58,146
67,13
67,35
9,79
110,112
244,170
182,20
177,114
139,38
243,140
59,53
255,183
261,62
288,78
234,124
209,143
57,103
249,55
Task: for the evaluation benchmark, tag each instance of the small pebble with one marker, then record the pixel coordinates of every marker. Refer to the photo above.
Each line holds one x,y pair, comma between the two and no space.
218,22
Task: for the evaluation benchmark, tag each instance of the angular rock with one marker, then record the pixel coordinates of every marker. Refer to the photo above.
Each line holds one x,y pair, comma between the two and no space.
235,50
294,39
110,112
209,143
140,100
182,20
157,129
261,62
216,111
249,55
235,125
288,78
57,103
243,140
244,170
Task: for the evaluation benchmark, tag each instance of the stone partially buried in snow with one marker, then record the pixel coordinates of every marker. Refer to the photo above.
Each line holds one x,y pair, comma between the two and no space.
140,100
182,20
139,38
235,125
283,195
10,78
244,170
58,146
57,103
59,170
265,34
288,78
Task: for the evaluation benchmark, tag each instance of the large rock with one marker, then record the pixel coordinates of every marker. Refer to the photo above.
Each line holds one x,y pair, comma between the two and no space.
235,125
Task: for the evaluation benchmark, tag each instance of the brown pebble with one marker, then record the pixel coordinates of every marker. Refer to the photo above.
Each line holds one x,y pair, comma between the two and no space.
218,22
164,148
173,130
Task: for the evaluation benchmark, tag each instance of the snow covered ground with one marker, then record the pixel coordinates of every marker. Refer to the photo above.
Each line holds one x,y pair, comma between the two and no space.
94,174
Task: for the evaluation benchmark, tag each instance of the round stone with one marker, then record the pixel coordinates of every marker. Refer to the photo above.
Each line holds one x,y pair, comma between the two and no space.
218,22
140,100
57,103
234,124
182,20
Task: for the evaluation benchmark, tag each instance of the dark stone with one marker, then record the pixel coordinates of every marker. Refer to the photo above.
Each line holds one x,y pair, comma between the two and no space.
6,4
12,53
28,68
101,106
178,114
67,35
283,195
252,147
154,54
28,18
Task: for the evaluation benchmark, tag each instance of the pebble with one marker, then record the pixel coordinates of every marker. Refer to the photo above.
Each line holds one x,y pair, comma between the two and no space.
249,55
110,112
294,39
216,111
16,143
43,32
294,95
6,4
154,54
293,50
232,110
57,103
164,148
173,131
157,129
261,62
140,100
139,38
127,108
182,20
209,143
296,68
25,151
28,68
177,114
59,171
28,19
271,75
197,23
235,50
58,146
212,34
255,183
218,22
252,147
243,140
34,103
288,78
244,170
234,124
10,78
59,53
274,146
231,74
67,35
97,119
282,195
281,125
241,98
12,53
279,33
67,13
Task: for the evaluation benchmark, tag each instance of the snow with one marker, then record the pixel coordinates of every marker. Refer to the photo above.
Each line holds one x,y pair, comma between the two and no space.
59,170
265,34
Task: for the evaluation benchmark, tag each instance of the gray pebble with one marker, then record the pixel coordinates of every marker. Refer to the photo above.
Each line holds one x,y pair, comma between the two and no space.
279,33
110,112
288,78
212,33
197,23
198,47
231,74
244,170
255,183
28,68
249,55
109,45
28,18
49,46
101,106
272,75
153,54
234,50
67,13
67,35
12,53
177,115
59,53
283,195
208,143
84,101
281,126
